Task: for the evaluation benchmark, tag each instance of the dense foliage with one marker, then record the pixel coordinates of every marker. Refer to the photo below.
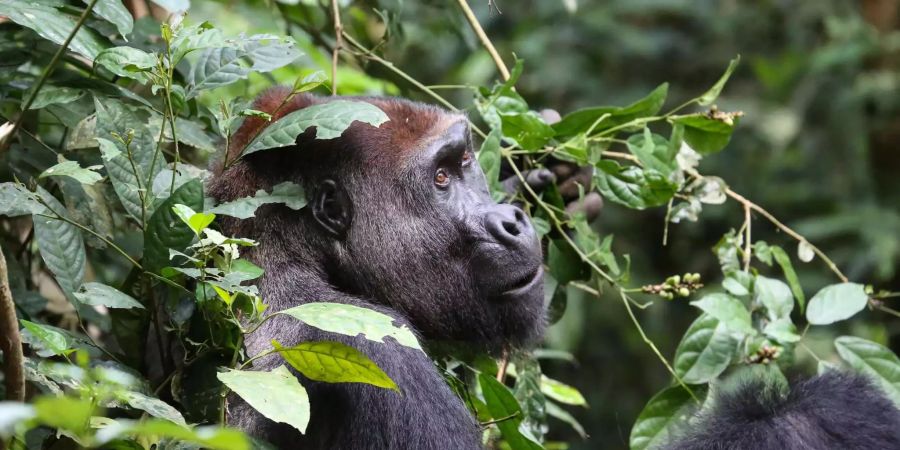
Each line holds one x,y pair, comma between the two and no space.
133,307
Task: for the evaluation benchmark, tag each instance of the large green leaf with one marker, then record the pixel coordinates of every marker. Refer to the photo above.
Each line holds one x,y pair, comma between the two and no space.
165,230
131,168
74,170
47,339
502,404
872,359
61,246
632,186
653,151
330,120
98,294
52,25
836,302
65,413
705,351
53,95
726,309
225,65
114,12
276,394
292,195
334,362
664,413
153,406
352,321
561,392
127,62
580,121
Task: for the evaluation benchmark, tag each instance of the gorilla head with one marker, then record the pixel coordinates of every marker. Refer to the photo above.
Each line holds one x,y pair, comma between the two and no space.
399,215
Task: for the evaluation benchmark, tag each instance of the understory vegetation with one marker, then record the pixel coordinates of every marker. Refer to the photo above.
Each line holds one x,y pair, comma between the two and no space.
132,307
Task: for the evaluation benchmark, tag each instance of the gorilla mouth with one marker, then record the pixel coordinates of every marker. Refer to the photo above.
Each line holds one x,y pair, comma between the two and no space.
524,285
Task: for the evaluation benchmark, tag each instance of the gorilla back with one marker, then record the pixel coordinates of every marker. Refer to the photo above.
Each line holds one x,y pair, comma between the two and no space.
399,220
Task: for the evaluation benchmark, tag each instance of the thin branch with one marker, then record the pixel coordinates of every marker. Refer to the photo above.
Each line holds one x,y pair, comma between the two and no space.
10,340
482,36
747,203
338,44
504,365
747,244
52,65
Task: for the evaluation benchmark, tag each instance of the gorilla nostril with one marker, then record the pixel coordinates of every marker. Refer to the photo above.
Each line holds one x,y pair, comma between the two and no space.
511,228
520,216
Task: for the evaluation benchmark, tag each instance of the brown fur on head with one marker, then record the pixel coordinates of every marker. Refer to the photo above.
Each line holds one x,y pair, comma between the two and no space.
388,145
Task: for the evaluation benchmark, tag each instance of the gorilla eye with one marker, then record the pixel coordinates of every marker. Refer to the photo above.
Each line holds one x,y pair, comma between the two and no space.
441,178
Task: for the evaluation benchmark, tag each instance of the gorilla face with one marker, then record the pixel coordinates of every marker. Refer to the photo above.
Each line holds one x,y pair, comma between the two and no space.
427,239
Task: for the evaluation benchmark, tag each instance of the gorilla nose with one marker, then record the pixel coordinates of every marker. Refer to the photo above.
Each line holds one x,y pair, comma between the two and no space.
509,226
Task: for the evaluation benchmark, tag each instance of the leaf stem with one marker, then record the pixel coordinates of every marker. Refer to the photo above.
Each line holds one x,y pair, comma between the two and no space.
485,41
338,44
94,233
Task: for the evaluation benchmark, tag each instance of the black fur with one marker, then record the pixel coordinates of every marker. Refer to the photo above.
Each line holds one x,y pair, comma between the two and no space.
835,410
396,245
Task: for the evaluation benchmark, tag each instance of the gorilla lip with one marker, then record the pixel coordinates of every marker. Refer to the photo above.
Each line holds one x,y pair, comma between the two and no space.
525,284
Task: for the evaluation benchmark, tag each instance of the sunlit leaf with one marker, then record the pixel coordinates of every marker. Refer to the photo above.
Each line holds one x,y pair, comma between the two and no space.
582,120
775,295
276,394
290,194
705,351
52,25
98,294
330,120
211,437
52,342
728,310
352,321
115,13
712,94
503,405
704,133
334,362
74,170
52,95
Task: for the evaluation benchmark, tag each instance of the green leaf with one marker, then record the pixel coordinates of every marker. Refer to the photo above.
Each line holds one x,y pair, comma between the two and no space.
664,413
874,360
48,338
653,151
15,200
352,321
633,187
489,159
65,413
790,275
728,310
775,296
74,170
334,362
553,410
712,94
52,95
276,394
526,129
210,437
61,246
564,263
52,25
131,168
115,13
98,294
166,231
330,120
292,195
225,65
503,405
12,414
153,406
562,392
196,221
836,302
127,62
705,351
580,121
706,134
244,270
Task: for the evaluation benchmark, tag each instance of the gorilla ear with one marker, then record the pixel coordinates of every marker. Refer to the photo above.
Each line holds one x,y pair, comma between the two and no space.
332,209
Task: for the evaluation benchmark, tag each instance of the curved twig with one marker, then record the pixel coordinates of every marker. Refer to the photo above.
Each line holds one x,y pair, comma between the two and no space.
10,340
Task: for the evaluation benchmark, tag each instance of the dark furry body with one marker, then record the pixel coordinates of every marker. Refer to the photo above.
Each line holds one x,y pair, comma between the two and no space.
835,410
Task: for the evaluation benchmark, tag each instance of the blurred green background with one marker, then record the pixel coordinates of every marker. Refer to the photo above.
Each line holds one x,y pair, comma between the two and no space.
819,145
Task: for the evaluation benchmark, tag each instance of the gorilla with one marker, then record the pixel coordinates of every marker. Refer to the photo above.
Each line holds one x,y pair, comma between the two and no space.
835,410
400,221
